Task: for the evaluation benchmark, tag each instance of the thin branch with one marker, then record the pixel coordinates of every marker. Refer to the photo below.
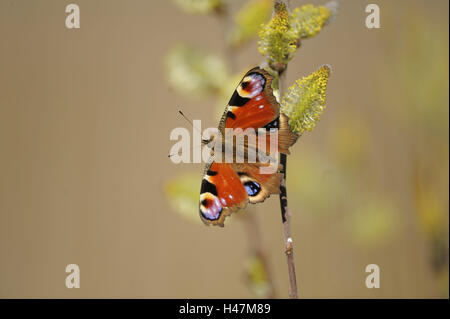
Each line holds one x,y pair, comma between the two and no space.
288,244
285,215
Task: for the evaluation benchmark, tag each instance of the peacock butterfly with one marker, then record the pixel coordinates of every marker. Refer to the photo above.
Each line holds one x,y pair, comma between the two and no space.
229,186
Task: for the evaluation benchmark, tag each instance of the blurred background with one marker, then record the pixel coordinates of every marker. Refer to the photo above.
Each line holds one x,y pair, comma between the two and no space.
85,119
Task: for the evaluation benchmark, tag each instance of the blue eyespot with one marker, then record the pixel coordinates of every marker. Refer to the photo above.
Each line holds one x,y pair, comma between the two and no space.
252,188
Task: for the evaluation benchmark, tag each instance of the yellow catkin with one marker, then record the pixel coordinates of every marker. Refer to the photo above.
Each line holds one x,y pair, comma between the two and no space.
277,41
308,20
304,102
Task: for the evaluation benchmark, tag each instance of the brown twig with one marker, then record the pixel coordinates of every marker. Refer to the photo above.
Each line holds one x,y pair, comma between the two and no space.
285,215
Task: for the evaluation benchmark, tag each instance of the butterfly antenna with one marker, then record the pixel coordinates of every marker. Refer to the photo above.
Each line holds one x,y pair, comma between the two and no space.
186,118
191,148
192,124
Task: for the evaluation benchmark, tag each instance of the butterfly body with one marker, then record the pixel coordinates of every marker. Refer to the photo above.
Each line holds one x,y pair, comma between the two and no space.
228,186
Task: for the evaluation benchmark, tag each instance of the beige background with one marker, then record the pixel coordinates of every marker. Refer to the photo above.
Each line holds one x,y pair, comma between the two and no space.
85,118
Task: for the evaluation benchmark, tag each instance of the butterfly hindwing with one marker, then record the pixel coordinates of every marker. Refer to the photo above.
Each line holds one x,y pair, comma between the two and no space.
222,193
259,186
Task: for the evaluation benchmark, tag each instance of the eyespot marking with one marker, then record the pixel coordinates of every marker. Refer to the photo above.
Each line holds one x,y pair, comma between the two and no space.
274,124
210,207
252,85
252,188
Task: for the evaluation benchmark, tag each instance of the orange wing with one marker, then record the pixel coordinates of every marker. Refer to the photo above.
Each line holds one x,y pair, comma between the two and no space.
227,187
252,103
222,193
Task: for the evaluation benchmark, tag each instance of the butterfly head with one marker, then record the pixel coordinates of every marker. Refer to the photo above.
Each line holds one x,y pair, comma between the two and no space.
213,140
210,142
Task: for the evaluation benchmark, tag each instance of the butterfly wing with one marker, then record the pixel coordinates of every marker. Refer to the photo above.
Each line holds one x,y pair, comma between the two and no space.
221,193
258,185
227,187
253,105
